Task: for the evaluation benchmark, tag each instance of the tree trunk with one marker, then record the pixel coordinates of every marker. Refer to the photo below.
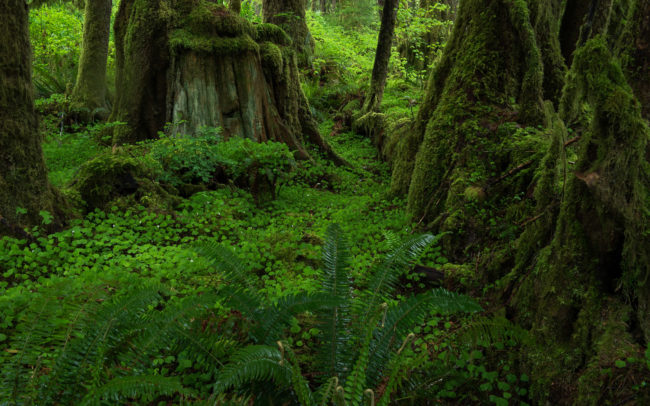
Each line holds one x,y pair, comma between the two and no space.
634,50
90,89
369,121
23,176
488,82
208,67
382,57
142,60
290,16
587,292
234,6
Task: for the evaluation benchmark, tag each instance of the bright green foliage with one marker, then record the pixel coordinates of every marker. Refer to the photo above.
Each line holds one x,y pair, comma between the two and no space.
55,33
104,351
356,348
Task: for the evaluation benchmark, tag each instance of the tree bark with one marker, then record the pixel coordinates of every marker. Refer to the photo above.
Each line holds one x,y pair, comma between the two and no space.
90,89
290,16
488,82
382,57
235,6
578,296
634,51
142,60
208,67
23,175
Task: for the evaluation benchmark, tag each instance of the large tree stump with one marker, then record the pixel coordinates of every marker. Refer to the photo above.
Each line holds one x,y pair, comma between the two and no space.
196,65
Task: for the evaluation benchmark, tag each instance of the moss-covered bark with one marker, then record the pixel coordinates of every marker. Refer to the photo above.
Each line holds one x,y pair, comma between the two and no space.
142,59
290,16
23,176
370,121
234,6
577,294
546,17
372,101
488,83
197,64
89,92
634,50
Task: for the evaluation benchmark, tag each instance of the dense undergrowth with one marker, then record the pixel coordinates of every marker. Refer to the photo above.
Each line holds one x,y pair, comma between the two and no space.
203,284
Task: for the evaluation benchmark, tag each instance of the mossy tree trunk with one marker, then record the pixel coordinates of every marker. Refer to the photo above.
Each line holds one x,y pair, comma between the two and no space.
89,92
370,121
199,65
142,60
634,50
487,85
372,101
23,176
586,293
234,6
290,16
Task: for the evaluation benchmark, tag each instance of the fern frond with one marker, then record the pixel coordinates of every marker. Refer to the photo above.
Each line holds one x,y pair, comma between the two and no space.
491,331
355,383
300,384
173,328
274,319
41,327
246,302
403,317
230,266
103,333
385,275
336,283
326,391
396,373
254,363
143,387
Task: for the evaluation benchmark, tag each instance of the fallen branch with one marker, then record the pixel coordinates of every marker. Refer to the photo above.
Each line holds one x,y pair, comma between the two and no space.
531,220
572,141
511,172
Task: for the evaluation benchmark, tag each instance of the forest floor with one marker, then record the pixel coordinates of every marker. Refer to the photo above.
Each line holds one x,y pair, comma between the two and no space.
281,241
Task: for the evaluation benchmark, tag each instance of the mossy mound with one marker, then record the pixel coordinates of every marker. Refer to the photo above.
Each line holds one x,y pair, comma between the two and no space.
118,178
271,33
